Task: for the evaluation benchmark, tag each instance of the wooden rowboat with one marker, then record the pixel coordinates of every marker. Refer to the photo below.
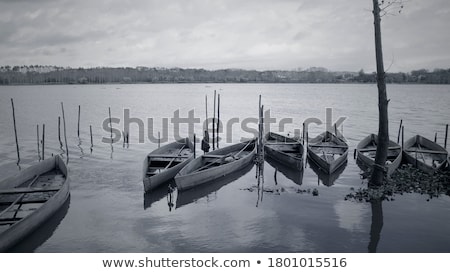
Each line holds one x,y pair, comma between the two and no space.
30,198
284,149
164,163
216,164
366,151
328,152
425,154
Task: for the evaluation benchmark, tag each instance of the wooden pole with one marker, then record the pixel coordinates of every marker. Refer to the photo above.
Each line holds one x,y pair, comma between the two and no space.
435,137
218,119
79,113
403,135
92,140
399,130
446,136
15,131
43,141
65,134
214,122
59,130
110,122
159,139
335,129
206,111
195,148
304,134
37,135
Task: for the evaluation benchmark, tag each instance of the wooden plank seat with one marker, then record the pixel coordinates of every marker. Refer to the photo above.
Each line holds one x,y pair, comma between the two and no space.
328,146
420,151
374,149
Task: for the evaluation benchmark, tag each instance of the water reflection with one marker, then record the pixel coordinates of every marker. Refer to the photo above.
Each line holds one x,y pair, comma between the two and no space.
192,195
43,232
292,173
377,224
160,193
327,179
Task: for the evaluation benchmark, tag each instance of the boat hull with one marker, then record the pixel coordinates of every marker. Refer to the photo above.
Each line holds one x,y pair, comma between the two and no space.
275,146
325,165
154,181
367,162
28,224
433,162
188,178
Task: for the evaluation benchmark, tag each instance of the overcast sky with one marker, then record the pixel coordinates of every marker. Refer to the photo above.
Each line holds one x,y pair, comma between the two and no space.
214,34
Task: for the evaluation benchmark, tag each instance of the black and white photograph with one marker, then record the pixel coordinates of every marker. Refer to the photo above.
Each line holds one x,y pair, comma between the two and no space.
225,126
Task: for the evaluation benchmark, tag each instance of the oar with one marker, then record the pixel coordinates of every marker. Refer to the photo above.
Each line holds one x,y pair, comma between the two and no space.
177,154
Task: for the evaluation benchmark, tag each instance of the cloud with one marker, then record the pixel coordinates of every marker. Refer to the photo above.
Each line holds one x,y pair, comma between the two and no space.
265,34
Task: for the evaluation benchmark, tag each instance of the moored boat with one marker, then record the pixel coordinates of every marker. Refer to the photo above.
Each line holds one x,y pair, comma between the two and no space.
328,152
425,154
30,198
366,151
216,164
283,149
161,165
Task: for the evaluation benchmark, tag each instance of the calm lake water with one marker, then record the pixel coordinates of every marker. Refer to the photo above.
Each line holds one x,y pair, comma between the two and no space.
109,212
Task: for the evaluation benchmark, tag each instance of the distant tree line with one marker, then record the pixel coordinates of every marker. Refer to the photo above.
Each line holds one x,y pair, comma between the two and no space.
38,74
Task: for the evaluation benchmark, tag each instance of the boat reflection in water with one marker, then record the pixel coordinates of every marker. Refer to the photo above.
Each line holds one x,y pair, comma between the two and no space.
327,179
43,232
165,191
294,174
194,194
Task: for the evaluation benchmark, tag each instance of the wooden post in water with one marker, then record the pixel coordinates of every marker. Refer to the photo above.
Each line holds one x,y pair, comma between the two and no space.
65,134
206,112
15,131
399,130
304,134
43,141
218,119
435,137
335,129
92,140
79,113
59,130
159,139
214,122
195,148
37,135
403,135
446,136
110,122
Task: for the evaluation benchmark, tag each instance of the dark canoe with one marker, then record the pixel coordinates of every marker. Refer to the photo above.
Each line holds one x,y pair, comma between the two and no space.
328,152
366,151
425,154
284,149
30,198
161,165
216,164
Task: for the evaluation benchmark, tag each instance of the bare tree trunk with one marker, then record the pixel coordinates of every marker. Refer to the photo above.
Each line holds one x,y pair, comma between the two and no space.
383,126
